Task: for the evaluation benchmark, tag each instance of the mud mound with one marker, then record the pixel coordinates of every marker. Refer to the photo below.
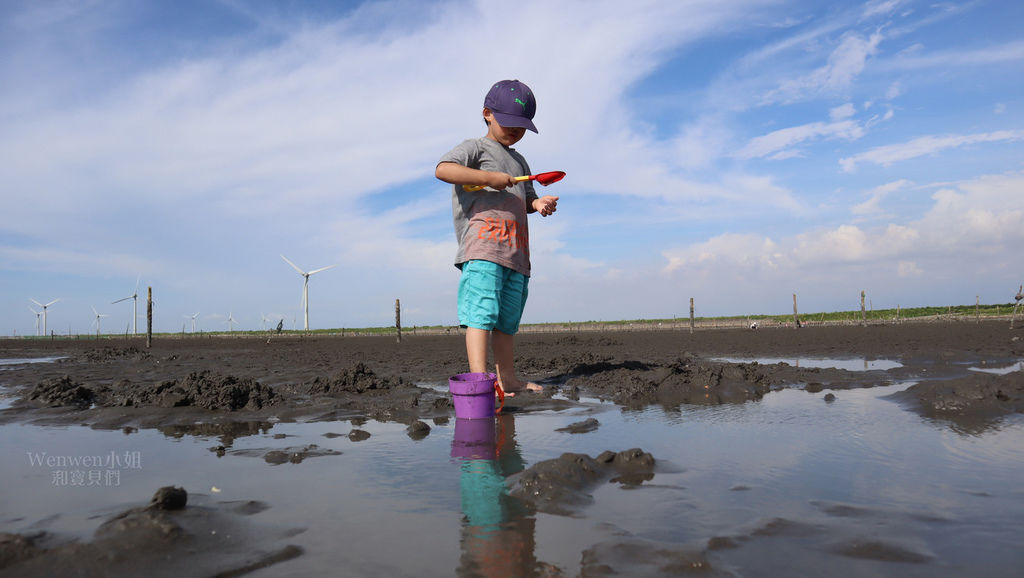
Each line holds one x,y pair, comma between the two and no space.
110,353
559,486
63,392
687,380
971,402
199,389
356,379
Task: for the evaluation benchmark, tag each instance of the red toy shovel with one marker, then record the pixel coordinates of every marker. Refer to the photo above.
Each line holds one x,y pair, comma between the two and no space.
542,178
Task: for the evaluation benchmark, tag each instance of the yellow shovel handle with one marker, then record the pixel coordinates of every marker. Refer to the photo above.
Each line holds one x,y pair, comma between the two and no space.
471,188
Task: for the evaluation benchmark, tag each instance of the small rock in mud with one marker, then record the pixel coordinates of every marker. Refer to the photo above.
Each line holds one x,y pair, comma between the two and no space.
418,430
358,435
169,498
585,426
560,485
830,397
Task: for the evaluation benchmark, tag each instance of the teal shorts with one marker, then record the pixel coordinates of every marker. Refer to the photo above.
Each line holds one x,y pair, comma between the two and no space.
491,296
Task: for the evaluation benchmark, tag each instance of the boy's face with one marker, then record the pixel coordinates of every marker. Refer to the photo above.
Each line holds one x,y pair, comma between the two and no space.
506,135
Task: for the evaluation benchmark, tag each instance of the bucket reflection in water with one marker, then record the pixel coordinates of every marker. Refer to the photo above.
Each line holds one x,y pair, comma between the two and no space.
497,529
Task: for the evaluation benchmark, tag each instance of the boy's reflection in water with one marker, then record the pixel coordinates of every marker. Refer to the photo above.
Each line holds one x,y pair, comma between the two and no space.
497,530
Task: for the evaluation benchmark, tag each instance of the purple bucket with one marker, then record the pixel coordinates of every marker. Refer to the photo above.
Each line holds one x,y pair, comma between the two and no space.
473,395
474,439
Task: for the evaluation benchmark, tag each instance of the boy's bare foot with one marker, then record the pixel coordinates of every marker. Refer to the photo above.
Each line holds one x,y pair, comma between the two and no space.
514,386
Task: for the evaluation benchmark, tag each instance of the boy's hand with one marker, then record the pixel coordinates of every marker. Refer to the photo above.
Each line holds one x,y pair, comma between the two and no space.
546,205
500,181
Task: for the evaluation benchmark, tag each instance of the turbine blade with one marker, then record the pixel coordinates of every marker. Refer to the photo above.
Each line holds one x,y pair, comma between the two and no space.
52,302
36,302
301,272
322,269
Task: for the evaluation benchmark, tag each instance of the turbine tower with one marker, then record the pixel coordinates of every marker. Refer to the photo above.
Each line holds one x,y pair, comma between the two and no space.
305,287
97,322
44,310
135,307
38,313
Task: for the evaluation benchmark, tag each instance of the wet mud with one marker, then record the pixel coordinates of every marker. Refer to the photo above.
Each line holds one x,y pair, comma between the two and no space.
237,387
169,537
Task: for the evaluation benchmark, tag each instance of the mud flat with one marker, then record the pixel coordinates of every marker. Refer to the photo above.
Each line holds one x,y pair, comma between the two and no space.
962,374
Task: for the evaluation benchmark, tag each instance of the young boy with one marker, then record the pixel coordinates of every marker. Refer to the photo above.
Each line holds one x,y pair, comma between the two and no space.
492,230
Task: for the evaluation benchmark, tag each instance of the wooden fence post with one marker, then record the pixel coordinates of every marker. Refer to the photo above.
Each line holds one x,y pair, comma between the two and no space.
149,317
863,315
796,316
398,319
691,314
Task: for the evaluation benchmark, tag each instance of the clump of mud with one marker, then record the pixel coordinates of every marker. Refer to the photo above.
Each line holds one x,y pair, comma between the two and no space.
355,379
202,389
688,380
559,486
971,402
110,353
62,392
199,389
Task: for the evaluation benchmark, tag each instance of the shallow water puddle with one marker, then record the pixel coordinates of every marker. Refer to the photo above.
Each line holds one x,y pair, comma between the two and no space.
1000,370
791,484
849,364
22,361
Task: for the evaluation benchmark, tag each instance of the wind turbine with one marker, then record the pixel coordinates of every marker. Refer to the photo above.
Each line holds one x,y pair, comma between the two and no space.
97,322
193,320
135,307
305,286
38,313
231,320
44,310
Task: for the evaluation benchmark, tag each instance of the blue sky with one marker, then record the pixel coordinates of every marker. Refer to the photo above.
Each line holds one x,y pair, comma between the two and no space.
735,152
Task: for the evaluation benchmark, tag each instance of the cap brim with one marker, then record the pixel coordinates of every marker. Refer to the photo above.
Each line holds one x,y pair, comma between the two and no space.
511,120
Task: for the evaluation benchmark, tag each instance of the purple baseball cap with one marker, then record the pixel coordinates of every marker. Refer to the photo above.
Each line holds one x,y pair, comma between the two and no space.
512,104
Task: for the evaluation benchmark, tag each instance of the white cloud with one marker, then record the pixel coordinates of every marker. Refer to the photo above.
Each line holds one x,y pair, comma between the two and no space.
926,145
782,139
877,195
956,57
971,227
844,64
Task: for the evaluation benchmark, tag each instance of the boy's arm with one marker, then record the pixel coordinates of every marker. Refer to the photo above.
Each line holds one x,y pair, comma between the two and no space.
457,174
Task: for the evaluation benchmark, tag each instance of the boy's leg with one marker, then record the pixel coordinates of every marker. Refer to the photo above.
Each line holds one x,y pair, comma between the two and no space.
504,357
476,349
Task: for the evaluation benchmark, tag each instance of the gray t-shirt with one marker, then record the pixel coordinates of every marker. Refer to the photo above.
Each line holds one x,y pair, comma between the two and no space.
491,225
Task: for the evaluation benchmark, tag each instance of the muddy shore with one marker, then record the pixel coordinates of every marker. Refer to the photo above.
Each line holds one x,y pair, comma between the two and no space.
121,383
232,386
